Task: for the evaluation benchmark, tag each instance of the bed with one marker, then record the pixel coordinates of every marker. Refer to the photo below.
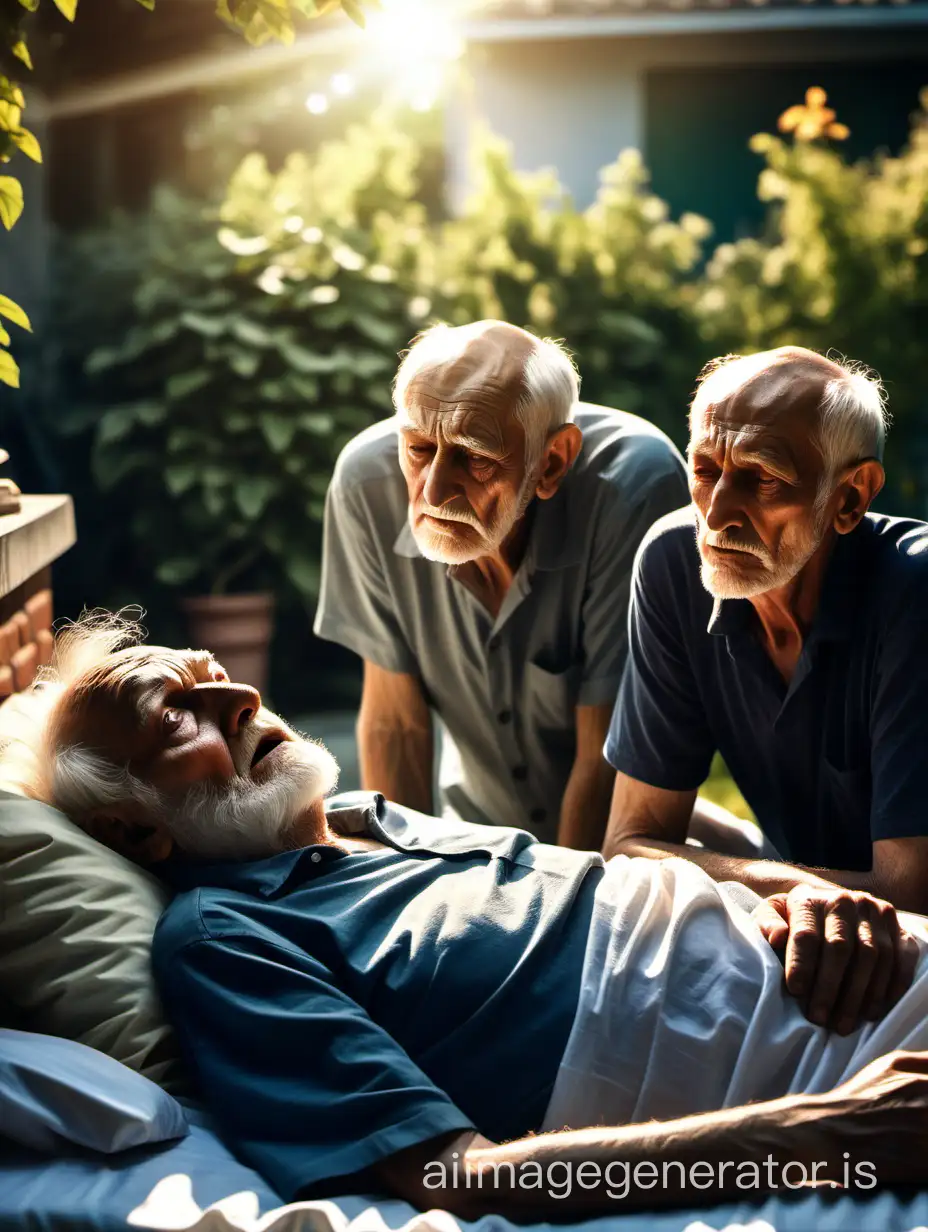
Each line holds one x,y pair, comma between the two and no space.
88,1145
172,1187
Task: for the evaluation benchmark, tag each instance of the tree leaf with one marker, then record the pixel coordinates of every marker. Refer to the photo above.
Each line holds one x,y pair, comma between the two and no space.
182,384
26,141
115,425
253,335
319,423
67,7
304,574
252,494
306,361
179,477
4,337
11,201
14,313
21,52
244,363
9,370
209,327
278,430
386,333
178,570
148,4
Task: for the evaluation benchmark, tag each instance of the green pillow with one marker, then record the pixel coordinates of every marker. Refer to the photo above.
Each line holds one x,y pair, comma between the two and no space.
76,922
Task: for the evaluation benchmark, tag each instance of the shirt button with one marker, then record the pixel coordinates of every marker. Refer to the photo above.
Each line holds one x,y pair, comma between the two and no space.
537,816
494,643
519,773
316,857
504,716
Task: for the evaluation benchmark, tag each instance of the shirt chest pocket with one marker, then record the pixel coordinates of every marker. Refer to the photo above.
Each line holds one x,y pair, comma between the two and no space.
551,697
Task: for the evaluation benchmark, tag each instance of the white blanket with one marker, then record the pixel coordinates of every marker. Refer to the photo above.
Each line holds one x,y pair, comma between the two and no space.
683,1006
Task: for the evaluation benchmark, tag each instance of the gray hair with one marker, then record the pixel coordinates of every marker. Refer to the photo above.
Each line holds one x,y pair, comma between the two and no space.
550,382
72,778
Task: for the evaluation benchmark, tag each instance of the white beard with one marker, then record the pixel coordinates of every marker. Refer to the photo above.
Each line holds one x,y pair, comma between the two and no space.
726,582
444,548
248,820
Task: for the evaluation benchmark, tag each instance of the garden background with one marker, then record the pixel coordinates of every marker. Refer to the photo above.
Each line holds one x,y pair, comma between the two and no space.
207,351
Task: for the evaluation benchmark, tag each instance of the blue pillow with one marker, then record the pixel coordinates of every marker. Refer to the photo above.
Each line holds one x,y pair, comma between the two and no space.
54,1091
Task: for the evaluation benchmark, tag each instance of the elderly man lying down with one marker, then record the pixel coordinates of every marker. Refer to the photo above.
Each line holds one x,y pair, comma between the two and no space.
369,997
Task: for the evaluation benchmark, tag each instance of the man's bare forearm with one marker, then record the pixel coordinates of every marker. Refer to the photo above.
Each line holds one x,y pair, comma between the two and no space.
699,1159
397,761
585,807
766,877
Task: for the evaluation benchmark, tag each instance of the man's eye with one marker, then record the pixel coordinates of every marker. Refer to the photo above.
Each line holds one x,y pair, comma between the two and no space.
768,483
172,720
478,462
705,474
419,451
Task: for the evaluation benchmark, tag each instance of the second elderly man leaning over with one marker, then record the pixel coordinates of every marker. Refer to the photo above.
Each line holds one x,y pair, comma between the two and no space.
478,555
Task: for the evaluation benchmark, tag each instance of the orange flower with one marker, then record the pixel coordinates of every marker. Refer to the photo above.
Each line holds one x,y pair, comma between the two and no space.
813,120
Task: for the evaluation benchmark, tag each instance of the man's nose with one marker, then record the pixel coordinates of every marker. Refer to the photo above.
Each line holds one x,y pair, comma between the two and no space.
233,705
439,481
724,509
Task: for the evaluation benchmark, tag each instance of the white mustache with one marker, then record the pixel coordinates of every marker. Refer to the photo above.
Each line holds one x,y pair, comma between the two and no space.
751,549
452,515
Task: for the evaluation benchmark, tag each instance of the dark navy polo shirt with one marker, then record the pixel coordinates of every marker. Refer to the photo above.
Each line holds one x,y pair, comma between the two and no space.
833,762
337,1008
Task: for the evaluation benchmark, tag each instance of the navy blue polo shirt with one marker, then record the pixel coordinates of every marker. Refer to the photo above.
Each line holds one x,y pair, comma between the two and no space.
339,1007
833,762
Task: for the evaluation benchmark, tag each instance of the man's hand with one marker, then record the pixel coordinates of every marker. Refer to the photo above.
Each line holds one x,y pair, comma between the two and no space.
846,956
882,1113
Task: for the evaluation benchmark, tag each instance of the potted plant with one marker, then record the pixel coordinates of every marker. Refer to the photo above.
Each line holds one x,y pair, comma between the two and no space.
260,342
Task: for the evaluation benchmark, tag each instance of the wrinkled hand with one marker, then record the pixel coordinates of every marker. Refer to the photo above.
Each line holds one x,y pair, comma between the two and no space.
846,956
881,1114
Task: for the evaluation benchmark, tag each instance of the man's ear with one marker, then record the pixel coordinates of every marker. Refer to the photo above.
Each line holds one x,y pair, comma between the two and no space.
560,454
144,843
857,493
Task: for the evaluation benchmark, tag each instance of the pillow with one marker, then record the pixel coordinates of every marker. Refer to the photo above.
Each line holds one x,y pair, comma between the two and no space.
53,1090
76,922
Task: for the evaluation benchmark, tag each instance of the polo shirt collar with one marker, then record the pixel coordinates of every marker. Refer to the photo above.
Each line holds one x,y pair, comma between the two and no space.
551,544
355,813
834,620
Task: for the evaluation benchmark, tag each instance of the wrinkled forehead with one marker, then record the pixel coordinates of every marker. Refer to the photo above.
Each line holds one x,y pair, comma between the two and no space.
484,379
112,695
772,411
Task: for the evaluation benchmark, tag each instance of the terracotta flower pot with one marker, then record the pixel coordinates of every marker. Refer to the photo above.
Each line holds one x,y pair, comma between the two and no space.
238,630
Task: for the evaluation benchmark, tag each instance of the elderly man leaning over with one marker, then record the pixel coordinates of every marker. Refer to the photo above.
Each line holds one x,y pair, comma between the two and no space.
370,998
478,551
780,622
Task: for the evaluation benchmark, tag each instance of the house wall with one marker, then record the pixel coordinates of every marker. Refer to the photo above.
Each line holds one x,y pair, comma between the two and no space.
576,104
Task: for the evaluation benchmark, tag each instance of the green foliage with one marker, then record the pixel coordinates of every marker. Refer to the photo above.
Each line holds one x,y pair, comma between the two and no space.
843,267
258,20
612,280
252,355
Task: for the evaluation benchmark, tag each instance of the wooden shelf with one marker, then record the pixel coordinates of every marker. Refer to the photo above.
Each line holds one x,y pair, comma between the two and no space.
30,540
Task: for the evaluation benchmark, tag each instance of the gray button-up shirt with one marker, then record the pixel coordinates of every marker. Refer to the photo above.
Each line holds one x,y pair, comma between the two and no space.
505,689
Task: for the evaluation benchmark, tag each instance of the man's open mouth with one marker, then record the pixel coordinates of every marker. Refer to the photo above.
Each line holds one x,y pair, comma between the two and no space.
267,744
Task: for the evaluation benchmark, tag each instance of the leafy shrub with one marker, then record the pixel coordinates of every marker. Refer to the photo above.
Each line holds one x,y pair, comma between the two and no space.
259,342
842,267
612,280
